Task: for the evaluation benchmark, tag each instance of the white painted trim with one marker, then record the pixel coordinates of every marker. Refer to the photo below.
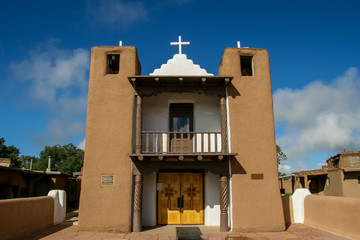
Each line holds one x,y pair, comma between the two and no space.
298,201
229,149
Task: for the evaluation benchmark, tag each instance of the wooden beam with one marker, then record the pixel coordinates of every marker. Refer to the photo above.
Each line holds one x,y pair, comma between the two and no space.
133,81
181,158
199,158
161,158
223,116
203,81
138,124
157,81
181,81
226,81
220,157
140,158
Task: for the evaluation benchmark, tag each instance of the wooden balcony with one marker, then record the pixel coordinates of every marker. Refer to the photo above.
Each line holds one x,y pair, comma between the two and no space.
180,145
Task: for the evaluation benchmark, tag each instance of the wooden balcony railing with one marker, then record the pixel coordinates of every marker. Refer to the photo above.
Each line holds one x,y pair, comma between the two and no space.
181,142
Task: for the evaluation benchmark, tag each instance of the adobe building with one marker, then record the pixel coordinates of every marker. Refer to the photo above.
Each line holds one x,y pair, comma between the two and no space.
339,177
180,146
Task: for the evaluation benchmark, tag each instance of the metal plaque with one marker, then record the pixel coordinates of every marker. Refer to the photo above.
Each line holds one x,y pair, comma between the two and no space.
107,180
159,186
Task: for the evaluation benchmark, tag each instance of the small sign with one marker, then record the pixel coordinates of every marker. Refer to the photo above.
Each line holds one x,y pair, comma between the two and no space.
159,186
257,176
107,180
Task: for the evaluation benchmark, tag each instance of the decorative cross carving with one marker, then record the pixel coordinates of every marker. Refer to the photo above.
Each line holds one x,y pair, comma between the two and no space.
169,192
180,43
191,192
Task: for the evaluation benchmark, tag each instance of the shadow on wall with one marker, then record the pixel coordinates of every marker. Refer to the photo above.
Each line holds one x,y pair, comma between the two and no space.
188,233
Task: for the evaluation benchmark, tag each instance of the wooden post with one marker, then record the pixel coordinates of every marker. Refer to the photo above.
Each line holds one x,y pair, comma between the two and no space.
223,125
224,203
137,216
138,124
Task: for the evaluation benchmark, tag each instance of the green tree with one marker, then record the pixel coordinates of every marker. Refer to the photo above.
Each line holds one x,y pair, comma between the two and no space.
11,152
67,158
25,161
281,157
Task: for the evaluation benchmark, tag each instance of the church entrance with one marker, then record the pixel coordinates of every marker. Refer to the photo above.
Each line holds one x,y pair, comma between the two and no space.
180,198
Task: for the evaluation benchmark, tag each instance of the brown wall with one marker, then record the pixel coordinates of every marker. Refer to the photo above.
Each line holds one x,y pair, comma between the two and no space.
108,140
15,183
335,185
23,216
334,214
256,203
351,186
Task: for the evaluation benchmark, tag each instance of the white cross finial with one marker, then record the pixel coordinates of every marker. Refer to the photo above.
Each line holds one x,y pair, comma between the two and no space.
238,44
180,43
120,43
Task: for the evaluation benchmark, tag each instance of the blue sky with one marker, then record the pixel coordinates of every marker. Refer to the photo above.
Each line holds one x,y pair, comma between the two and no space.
313,45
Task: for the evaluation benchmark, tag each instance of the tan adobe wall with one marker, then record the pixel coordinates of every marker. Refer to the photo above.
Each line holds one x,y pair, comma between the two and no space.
335,185
351,185
288,186
288,211
108,140
350,159
256,203
334,214
22,216
9,178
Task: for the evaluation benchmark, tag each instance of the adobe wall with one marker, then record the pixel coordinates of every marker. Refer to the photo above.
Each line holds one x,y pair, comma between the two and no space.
351,186
23,216
108,140
256,203
335,214
335,184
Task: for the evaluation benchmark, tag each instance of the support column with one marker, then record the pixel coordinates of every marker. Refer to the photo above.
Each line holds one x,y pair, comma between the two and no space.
224,203
137,215
223,116
138,123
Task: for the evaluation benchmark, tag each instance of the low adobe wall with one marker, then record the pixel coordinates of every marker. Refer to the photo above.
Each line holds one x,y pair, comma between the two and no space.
23,216
334,214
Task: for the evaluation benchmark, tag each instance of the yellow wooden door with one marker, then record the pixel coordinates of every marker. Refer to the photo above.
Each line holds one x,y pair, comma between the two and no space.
168,211
180,200
192,193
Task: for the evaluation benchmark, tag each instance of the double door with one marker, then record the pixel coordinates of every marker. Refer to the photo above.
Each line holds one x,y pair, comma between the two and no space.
180,198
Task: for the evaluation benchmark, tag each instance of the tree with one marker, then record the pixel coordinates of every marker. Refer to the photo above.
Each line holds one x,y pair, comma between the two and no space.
11,152
25,161
281,157
67,158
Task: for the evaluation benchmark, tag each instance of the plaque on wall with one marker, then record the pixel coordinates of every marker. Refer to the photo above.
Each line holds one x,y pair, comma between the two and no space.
257,176
107,180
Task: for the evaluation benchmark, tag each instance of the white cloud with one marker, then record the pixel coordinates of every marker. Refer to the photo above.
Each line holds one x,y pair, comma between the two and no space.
320,116
57,78
117,11
82,145
287,169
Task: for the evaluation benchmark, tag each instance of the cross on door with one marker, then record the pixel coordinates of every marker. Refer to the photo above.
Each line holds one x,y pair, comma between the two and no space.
169,192
191,192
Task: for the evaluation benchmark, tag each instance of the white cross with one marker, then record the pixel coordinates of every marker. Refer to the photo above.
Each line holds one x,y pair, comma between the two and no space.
120,43
179,43
238,45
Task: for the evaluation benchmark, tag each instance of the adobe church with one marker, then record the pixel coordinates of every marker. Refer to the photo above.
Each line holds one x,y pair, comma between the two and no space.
180,145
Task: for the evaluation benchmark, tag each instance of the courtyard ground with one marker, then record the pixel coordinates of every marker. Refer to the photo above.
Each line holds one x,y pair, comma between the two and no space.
70,230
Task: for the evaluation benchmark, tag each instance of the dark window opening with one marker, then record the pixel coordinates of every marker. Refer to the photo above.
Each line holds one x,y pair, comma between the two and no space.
113,63
246,65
